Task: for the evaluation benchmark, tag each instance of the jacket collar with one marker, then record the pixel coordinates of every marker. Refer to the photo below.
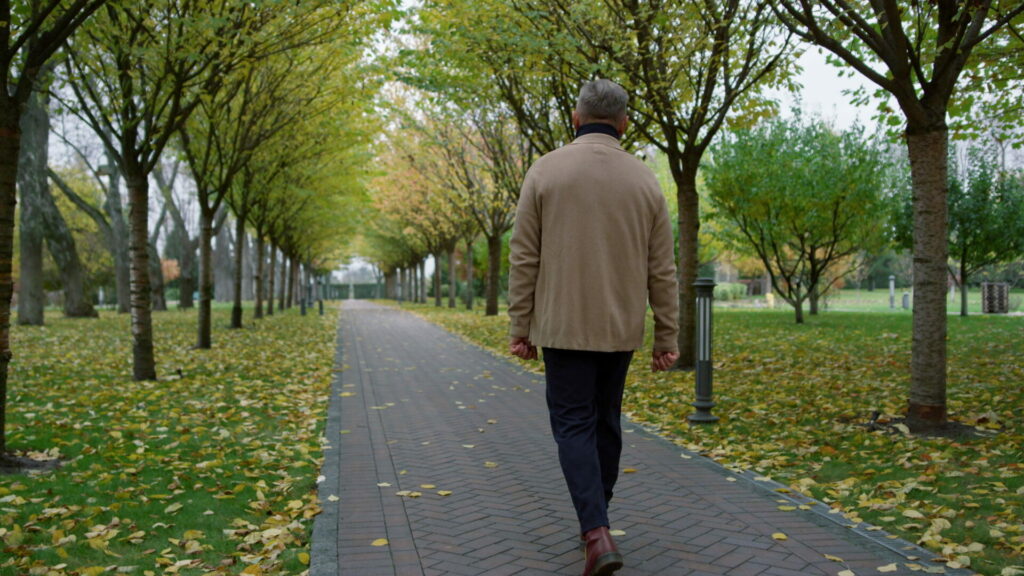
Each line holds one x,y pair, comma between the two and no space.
597,128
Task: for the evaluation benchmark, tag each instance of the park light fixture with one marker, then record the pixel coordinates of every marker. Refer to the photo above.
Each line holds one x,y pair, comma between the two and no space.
705,297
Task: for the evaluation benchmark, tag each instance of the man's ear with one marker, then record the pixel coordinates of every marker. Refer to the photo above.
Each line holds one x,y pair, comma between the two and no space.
623,124
576,120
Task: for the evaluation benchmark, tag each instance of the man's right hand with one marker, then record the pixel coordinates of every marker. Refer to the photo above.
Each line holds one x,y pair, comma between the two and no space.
663,360
523,348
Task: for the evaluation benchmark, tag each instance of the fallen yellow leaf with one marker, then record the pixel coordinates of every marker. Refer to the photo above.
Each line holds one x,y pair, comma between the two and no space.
780,536
379,542
888,568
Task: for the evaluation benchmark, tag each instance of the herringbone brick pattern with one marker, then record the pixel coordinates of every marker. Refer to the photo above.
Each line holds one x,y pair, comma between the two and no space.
417,410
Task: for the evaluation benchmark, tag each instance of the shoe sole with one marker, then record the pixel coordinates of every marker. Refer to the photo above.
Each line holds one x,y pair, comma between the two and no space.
607,564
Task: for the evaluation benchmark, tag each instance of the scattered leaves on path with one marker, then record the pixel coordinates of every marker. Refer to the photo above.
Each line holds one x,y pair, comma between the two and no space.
818,407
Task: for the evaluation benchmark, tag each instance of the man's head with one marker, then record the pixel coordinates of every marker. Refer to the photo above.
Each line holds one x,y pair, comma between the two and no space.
601,101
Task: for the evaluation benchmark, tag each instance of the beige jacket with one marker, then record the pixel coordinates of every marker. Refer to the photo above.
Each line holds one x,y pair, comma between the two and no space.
592,245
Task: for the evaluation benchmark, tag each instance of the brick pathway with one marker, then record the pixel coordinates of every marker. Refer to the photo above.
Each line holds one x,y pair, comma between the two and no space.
414,408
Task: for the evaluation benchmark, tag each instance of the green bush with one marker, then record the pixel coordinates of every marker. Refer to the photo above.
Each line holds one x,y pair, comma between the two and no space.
730,291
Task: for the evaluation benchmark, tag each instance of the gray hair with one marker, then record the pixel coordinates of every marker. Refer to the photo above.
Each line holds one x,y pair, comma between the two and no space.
602,100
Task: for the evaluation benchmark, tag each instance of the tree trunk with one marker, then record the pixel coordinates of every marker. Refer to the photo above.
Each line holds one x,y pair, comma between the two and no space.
798,309
814,297
453,284
119,229
493,274
47,219
689,227
289,293
156,278
928,166
236,284
32,161
223,266
187,280
469,275
270,280
437,281
156,270
258,278
204,339
10,140
144,362
423,281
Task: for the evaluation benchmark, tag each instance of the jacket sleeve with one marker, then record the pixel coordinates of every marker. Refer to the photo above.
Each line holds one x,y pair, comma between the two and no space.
662,283
524,260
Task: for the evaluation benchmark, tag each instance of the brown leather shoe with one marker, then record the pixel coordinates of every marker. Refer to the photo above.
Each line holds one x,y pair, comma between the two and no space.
602,556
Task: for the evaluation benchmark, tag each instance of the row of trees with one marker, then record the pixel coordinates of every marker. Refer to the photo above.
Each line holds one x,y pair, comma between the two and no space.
266,104
813,204
694,66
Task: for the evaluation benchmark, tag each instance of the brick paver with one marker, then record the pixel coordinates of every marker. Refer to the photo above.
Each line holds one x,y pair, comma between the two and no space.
416,409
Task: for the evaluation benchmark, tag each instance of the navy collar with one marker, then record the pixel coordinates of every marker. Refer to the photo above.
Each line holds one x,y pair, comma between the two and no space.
597,128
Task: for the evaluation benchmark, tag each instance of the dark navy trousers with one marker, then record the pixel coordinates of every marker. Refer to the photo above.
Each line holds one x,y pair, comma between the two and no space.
584,394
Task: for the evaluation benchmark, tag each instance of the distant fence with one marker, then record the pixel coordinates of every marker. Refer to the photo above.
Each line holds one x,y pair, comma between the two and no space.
362,291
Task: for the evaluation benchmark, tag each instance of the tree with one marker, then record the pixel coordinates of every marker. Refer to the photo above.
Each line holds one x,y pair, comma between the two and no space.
803,198
690,65
137,72
29,37
41,220
916,54
986,216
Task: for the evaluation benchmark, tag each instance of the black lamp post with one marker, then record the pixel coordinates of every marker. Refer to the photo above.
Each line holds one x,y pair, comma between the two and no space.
705,296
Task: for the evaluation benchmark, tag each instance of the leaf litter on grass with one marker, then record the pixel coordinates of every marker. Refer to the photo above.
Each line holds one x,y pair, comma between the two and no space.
209,470
818,407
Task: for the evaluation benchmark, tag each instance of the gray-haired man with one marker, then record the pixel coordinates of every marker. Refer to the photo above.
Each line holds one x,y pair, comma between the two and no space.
592,246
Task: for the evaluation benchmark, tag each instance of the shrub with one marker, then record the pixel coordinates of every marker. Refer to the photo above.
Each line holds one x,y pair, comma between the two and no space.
730,291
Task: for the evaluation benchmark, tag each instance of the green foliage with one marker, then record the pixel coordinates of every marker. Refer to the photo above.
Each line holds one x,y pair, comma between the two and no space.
730,291
795,403
210,468
986,212
802,197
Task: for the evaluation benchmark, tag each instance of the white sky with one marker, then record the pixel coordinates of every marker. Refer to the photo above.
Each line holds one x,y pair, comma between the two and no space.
823,92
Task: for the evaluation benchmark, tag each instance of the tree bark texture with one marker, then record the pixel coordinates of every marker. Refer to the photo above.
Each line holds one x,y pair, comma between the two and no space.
929,167
204,340
144,362
689,227
493,274
236,308
32,159
10,140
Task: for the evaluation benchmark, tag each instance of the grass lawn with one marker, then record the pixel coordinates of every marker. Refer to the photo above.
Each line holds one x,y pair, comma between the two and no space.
794,401
209,470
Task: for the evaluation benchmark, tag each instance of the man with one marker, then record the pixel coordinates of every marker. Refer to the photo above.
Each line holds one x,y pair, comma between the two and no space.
592,245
